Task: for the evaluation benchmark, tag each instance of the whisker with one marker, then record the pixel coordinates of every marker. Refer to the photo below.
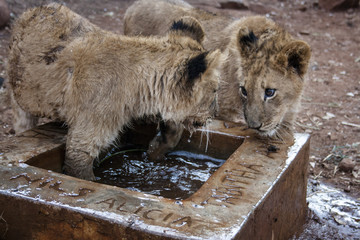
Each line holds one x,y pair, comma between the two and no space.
279,132
284,131
279,136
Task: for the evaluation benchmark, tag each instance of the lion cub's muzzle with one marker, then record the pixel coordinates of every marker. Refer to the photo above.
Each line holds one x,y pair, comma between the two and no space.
255,126
253,123
260,127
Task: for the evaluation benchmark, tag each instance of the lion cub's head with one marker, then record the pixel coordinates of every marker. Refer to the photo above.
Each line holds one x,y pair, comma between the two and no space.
271,77
197,76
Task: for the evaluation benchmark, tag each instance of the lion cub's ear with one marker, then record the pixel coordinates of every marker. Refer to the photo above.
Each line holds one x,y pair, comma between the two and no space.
247,41
188,26
200,64
295,55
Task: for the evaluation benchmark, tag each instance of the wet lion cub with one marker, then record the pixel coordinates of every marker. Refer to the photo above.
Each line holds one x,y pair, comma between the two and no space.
63,67
263,75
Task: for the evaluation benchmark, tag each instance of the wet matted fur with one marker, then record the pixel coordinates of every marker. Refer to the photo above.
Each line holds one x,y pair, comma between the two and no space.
63,67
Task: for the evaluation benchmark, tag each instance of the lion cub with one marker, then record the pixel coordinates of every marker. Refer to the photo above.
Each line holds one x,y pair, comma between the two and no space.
63,67
263,75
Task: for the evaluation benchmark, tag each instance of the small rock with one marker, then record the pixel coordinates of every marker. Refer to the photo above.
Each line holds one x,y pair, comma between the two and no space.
315,65
302,8
328,116
237,4
312,164
335,78
350,94
338,5
356,172
4,13
109,14
327,166
333,137
304,32
347,165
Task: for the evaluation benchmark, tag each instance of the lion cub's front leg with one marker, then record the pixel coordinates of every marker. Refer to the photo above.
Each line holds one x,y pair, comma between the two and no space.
83,145
79,155
167,138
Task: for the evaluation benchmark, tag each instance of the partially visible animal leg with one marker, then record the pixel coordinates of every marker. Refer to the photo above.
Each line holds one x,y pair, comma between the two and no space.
166,139
22,120
83,145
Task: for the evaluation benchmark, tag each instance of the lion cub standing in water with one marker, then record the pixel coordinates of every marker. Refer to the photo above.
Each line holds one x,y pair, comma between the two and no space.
263,75
63,67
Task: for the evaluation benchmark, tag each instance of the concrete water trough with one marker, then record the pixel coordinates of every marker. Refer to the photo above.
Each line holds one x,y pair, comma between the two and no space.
259,192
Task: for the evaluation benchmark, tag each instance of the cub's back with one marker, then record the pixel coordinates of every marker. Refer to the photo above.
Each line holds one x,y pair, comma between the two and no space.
39,36
152,18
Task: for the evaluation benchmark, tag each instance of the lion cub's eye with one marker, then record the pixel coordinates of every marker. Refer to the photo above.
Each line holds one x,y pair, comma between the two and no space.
269,92
243,91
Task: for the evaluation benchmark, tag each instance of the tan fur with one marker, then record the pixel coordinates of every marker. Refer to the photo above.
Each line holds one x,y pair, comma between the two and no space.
63,67
274,60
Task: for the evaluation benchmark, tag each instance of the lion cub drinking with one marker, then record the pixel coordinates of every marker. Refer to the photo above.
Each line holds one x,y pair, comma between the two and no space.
263,74
63,67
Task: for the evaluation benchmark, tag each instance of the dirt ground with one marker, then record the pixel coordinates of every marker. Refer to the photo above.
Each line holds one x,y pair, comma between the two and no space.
331,102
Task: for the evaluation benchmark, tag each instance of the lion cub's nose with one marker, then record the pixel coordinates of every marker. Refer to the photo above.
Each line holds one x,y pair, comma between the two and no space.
255,125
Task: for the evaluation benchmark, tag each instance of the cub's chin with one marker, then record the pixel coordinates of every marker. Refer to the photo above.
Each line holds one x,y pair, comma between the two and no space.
267,133
280,132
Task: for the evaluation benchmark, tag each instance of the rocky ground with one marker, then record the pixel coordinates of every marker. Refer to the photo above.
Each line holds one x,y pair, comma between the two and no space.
331,101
